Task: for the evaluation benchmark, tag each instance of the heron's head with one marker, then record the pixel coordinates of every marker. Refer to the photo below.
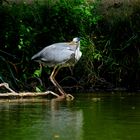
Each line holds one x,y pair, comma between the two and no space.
76,39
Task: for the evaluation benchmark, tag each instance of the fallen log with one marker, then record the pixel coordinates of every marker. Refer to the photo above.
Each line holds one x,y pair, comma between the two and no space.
26,94
14,95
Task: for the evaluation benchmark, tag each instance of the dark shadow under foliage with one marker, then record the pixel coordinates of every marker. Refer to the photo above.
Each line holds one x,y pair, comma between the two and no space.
111,52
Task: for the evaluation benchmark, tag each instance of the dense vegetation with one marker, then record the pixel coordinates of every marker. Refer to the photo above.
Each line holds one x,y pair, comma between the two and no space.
110,44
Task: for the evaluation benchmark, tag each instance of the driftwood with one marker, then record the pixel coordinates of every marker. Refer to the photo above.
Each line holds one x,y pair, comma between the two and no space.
26,94
14,94
6,85
22,95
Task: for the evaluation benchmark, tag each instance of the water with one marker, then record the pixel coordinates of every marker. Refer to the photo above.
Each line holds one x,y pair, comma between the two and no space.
86,118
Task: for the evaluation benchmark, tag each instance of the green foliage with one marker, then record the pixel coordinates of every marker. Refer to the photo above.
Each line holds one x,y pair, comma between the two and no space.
27,28
119,48
37,73
110,46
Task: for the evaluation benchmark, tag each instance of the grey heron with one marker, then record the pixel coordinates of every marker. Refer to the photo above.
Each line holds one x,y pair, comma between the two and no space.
60,55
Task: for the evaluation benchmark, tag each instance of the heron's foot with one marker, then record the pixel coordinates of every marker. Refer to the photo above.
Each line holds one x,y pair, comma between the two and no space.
69,97
6,85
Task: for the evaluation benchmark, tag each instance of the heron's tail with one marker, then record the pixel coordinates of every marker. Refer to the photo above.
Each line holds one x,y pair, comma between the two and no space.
36,57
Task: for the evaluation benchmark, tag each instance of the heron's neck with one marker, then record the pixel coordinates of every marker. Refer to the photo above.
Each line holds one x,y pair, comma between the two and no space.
78,46
78,53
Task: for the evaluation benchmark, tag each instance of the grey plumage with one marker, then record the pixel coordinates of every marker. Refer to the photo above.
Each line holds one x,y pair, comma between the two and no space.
60,53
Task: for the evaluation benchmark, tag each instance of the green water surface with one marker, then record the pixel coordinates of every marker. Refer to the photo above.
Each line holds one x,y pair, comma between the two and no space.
88,117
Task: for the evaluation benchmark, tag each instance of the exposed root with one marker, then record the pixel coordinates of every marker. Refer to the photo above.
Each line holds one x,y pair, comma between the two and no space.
68,97
51,92
6,85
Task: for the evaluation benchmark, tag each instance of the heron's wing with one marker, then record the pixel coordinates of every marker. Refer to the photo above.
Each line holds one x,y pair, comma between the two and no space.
58,53
68,45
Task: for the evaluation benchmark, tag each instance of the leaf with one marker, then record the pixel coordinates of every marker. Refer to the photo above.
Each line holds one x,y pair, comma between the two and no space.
37,73
38,89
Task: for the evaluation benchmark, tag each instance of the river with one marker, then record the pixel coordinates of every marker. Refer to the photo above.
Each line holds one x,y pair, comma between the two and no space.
88,117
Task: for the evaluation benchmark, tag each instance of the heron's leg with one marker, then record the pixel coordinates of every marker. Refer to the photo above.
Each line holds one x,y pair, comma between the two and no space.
52,78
